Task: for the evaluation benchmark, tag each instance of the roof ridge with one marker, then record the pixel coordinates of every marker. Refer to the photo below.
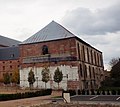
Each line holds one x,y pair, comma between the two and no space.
9,38
64,28
6,41
52,31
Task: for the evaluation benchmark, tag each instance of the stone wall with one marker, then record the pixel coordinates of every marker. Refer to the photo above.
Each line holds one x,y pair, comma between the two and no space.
58,47
71,72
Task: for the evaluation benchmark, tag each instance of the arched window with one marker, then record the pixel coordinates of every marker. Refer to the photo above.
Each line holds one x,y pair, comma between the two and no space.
44,50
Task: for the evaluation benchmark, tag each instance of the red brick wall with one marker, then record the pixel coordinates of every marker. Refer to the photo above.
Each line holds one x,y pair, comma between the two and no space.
57,47
73,85
8,66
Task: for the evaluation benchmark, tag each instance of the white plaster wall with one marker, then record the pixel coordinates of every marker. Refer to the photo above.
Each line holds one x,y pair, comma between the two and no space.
71,71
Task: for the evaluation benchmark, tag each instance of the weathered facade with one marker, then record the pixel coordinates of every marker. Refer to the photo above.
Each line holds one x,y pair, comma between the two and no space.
9,56
9,60
54,46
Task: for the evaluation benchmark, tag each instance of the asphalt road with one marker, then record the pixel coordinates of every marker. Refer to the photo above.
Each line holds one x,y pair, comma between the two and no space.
109,98
96,98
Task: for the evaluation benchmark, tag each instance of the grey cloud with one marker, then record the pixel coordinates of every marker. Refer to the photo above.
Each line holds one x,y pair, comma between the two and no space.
102,21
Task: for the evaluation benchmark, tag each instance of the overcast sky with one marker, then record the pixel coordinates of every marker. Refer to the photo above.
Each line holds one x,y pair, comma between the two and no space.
95,21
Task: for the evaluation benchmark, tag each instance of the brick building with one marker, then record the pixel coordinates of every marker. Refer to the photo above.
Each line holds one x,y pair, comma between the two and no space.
54,46
9,56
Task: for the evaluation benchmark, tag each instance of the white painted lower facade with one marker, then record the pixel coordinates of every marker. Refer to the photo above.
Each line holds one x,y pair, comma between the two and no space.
72,73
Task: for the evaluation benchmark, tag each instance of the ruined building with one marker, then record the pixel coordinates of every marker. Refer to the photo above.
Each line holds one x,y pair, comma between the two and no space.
56,47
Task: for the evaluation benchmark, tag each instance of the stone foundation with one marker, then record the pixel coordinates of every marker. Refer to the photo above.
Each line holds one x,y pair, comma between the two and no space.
56,93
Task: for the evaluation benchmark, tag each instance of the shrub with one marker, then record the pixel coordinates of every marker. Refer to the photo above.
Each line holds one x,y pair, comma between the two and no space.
72,92
79,92
103,92
4,97
83,92
108,92
118,92
98,92
109,88
92,92
113,92
87,92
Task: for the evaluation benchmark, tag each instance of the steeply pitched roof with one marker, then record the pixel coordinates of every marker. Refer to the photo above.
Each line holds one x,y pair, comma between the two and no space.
52,31
9,53
4,41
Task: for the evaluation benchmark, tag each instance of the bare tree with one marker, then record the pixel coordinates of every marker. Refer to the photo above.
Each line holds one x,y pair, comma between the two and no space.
114,61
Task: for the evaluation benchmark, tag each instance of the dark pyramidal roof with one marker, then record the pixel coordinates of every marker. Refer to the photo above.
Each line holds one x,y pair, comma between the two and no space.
52,31
9,53
4,41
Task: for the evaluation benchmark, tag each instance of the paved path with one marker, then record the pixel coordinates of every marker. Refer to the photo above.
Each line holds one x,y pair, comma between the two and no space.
26,102
114,98
82,99
93,99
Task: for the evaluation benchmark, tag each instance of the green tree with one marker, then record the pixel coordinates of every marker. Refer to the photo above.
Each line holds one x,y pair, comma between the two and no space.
16,76
6,78
31,78
58,76
45,75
